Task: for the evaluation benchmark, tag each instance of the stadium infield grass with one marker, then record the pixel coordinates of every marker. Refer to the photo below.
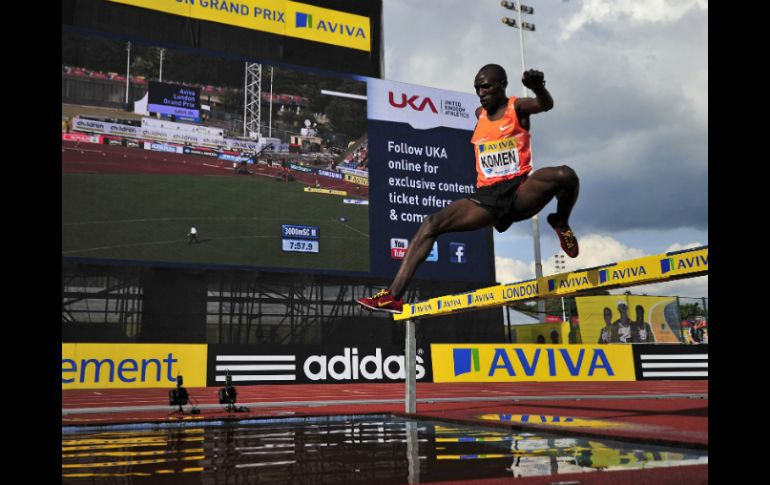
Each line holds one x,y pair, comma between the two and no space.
147,218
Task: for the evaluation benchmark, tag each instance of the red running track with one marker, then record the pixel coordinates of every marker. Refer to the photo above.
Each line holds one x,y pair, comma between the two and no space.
94,158
639,411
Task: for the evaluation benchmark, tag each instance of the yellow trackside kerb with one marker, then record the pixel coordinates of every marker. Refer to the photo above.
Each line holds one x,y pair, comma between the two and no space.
648,269
531,363
281,17
115,366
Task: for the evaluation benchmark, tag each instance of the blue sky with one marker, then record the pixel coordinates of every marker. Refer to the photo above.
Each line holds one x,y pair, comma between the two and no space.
630,83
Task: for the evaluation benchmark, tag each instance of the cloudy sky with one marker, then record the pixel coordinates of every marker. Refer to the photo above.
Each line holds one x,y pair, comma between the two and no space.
630,83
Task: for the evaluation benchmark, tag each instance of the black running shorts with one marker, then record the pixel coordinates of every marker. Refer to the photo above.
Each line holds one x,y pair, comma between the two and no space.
499,200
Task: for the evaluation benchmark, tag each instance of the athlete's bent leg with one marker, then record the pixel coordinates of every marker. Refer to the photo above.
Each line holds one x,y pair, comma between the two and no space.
460,215
540,188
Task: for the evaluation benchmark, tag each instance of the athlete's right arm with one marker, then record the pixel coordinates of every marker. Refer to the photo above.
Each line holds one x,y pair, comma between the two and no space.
478,112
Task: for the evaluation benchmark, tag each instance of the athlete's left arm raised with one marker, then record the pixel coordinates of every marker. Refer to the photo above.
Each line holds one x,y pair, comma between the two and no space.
534,80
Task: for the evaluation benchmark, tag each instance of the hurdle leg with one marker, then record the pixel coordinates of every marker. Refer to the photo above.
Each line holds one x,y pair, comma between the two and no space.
411,367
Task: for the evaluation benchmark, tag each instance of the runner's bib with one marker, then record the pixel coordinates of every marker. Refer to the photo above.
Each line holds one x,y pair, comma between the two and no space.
499,157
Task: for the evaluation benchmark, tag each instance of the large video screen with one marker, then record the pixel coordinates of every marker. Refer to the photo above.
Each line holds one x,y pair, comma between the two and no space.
282,167
174,101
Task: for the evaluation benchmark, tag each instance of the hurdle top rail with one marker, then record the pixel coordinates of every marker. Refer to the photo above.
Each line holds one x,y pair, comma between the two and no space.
687,263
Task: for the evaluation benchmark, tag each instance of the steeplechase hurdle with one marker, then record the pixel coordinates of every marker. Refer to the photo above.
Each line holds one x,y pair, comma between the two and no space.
687,263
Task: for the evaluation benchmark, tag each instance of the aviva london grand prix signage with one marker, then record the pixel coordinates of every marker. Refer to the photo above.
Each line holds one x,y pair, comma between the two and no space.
281,17
531,363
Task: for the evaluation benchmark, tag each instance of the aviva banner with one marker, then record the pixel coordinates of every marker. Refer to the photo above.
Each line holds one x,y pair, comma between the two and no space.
531,363
113,366
280,17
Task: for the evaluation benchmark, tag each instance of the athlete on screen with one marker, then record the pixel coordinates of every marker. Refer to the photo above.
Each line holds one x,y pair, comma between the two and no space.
508,190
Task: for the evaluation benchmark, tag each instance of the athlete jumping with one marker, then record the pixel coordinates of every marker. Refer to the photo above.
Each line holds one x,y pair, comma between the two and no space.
507,191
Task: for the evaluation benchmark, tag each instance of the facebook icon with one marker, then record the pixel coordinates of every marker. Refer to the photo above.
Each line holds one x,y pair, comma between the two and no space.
457,253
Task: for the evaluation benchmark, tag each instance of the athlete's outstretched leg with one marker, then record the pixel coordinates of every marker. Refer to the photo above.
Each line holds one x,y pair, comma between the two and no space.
540,188
460,215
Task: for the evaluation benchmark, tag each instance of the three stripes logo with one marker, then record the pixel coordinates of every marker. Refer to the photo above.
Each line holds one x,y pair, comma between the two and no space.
464,360
660,362
256,368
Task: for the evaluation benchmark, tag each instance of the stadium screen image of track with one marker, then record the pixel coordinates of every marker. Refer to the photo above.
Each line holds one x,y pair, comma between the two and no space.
135,181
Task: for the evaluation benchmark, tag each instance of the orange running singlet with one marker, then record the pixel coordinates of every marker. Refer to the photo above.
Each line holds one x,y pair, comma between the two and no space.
501,147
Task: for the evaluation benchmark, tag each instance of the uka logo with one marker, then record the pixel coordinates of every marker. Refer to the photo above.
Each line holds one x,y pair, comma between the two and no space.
350,366
412,101
517,360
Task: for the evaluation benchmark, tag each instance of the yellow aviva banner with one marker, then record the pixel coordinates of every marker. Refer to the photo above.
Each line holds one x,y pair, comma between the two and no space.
628,319
280,17
356,179
325,191
531,363
113,366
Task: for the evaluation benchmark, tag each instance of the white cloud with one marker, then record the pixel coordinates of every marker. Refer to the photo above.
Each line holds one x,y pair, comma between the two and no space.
595,250
643,11
679,247
511,270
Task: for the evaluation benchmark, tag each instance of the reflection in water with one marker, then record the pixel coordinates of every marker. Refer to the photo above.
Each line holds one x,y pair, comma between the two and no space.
373,449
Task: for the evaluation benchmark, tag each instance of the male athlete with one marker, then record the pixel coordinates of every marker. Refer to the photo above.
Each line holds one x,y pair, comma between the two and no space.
508,190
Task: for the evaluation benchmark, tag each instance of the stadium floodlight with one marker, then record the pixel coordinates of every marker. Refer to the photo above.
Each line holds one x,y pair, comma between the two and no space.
524,25
519,8
512,6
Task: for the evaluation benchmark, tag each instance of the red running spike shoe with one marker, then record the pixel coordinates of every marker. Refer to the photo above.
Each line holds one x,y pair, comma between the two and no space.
382,302
567,238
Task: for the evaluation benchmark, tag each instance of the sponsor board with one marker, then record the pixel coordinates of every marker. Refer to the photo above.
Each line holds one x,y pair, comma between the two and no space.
233,158
531,363
422,107
355,201
206,152
671,362
113,366
300,168
325,191
328,26
353,171
329,174
113,141
355,179
80,137
160,147
232,143
263,364
214,133
281,17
